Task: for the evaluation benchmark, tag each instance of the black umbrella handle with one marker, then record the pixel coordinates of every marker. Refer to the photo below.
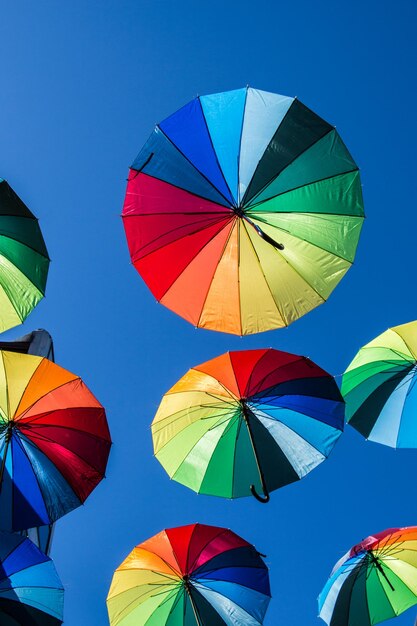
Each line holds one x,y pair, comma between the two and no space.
265,498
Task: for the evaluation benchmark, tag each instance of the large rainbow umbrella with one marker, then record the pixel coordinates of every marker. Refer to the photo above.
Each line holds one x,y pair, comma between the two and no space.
379,388
54,441
246,422
374,581
24,260
243,211
31,593
190,576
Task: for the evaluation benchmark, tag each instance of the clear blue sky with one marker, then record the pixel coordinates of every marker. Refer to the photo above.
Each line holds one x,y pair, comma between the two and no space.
82,84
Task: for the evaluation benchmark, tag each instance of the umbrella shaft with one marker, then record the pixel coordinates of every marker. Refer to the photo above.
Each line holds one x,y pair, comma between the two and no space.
197,619
379,567
245,413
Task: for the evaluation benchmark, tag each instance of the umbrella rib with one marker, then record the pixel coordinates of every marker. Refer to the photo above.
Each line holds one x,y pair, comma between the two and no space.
196,168
46,439
72,380
28,427
160,426
26,245
295,432
227,225
25,423
270,373
199,228
313,182
230,600
220,422
204,546
402,338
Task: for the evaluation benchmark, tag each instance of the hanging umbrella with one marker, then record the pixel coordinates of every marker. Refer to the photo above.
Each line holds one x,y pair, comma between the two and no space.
54,441
37,342
374,581
190,576
243,211
248,421
379,388
24,259
31,593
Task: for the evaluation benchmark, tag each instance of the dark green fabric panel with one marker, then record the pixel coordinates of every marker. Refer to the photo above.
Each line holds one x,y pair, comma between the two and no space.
176,616
208,616
344,607
10,203
364,416
31,264
380,608
299,130
275,466
23,229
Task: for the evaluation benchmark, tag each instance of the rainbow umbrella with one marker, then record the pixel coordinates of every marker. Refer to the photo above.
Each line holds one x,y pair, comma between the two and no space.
243,211
54,441
31,593
374,581
24,259
190,576
379,388
248,421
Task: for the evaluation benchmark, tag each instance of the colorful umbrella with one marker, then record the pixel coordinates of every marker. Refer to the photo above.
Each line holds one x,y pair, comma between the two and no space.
24,259
31,593
54,441
243,211
374,581
245,421
379,388
190,576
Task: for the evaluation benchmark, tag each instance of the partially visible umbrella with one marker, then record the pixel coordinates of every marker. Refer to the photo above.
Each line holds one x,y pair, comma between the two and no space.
248,422
54,441
243,211
38,342
190,576
374,581
31,593
379,388
24,259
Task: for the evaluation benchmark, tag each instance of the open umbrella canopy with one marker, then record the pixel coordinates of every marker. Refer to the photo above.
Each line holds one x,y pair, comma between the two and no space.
374,581
379,388
54,441
248,421
31,593
190,576
24,259
243,211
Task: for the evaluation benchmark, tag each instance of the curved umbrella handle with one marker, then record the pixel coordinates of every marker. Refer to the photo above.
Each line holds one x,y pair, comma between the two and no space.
265,498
